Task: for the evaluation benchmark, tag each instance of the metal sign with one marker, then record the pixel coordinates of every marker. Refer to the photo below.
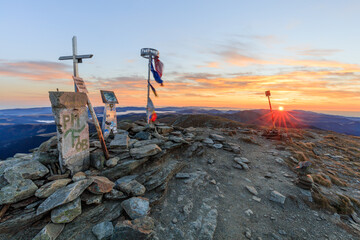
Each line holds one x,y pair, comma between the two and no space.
267,93
108,97
80,84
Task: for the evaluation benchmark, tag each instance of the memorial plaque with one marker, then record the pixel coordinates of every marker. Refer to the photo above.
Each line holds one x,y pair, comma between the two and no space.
80,84
108,97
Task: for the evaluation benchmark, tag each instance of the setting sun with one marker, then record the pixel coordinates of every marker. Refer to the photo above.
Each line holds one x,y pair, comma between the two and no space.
281,108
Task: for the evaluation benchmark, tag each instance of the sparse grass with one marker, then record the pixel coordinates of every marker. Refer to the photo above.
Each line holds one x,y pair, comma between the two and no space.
335,180
322,201
321,179
354,201
344,206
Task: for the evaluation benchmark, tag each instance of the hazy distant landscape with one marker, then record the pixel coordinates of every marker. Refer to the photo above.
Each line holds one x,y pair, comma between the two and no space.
25,129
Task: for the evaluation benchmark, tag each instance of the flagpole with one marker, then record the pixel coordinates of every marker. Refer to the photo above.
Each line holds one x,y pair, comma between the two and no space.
148,90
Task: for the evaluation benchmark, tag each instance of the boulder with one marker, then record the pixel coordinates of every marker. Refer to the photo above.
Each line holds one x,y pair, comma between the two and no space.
142,135
136,207
164,129
139,229
67,212
100,185
145,151
51,231
131,188
49,188
115,195
103,230
64,195
120,141
14,188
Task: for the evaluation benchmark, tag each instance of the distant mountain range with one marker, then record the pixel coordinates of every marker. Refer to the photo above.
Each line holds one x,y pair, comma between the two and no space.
24,129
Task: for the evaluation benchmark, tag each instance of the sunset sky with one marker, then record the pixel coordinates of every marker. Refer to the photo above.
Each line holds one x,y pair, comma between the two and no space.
216,53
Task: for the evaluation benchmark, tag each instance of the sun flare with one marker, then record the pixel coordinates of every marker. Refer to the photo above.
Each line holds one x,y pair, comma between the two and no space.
281,108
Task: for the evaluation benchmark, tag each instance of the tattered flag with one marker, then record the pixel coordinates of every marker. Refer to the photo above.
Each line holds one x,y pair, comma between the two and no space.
156,76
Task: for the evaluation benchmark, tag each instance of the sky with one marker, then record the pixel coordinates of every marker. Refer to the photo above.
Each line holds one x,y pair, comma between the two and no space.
216,53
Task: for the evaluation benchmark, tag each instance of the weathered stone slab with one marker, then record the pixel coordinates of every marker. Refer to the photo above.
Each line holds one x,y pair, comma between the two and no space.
139,229
97,159
122,169
30,169
51,187
115,195
103,230
131,188
50,232
90,198
80,228
112,162
71,117
100,185
164,129
217,137
14,188
275,196
145,151
148,142
64,195
121,140
17,223
142,135
67,212
136,207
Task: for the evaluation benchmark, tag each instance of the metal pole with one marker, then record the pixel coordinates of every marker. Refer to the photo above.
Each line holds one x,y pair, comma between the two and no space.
148,91
75,61
272,113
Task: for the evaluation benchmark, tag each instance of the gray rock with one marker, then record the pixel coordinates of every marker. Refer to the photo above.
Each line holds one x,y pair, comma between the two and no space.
240,160
208,141
90,198
97,159
103,230
139,229
145,151
125,125
171,145
120,141
279,160
136,207
137,128
115,195
78,176
131,188
51,187
275,196
50,232
252,190
100,185
164,129
122,169
182,175
208,225
176,139
64,195
148,142
30,169
14,188
125,179
218,146
238,166
67,212
142,135
112,162
217,137
19,222
249,212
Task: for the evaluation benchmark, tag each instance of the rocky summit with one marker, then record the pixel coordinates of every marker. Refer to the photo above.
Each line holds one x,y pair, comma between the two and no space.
188,178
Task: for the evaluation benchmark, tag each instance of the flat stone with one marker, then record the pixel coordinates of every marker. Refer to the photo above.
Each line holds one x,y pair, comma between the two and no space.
145,151
257,199
139,229
279,160
142,135
90,198
171,145
218,146
164,129
176,139
122,169
67,212
252,190
241,160
51,231
100,185
30,169
125,179
238,166
68,99
120,141
78,176
148,142
51,187
208,141
182,175
103,230
131,188
137,129
115,195
97,159
275,196
14,188
136,207
64,195
112,162
217,137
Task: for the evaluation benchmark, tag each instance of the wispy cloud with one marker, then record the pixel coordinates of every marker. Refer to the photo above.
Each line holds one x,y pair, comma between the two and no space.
34,70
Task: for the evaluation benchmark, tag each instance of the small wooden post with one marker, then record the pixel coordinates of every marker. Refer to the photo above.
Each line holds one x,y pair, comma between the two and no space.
268,94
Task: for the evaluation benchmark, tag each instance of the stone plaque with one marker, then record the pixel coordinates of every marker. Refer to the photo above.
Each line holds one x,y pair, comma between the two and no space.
71,117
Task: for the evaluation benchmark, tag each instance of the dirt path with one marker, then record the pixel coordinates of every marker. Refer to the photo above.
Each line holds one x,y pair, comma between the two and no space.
212,200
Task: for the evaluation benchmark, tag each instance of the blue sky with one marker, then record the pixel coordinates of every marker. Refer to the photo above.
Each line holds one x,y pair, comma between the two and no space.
207,48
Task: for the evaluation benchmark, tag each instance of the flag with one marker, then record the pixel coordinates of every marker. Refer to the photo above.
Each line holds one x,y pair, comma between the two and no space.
156,75
153,89
150,111
159,66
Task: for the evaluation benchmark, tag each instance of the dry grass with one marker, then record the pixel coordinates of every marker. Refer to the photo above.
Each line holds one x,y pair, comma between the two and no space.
335,180
322,201
321,179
